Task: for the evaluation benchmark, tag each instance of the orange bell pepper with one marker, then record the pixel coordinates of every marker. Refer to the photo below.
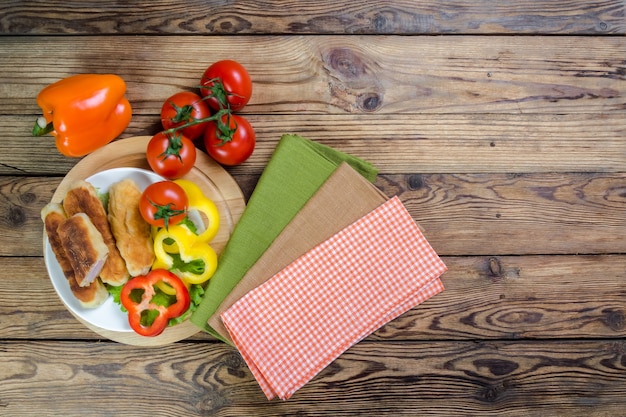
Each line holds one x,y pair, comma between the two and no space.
83,112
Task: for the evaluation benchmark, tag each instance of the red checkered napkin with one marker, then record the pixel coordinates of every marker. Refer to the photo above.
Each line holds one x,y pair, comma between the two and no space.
295,324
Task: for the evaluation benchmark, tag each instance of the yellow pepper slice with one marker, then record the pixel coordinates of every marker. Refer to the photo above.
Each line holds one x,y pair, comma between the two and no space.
195,262
199,202
168,247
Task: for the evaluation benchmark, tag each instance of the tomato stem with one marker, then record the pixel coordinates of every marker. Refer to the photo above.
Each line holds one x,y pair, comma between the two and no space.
165,212
216,90
183,114
225,133
174,145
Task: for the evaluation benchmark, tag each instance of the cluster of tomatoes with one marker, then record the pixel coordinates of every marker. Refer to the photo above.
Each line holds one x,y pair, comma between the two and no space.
225,88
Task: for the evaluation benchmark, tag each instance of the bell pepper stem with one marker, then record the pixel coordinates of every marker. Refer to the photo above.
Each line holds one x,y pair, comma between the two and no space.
41,127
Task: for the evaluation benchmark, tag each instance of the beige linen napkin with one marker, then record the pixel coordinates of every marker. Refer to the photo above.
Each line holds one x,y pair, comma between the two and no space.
343,198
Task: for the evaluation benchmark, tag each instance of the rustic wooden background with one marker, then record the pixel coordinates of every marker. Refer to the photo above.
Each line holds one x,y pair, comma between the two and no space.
501,126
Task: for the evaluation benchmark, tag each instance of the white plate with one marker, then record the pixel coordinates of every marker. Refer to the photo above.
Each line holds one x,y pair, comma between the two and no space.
130,154
107,316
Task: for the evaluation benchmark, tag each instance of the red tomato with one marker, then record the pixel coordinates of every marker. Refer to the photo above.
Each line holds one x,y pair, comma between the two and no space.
236,81
163,203
182,108
171,155
238,148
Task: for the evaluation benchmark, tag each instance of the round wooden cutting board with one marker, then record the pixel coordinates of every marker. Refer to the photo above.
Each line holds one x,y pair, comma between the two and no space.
211,177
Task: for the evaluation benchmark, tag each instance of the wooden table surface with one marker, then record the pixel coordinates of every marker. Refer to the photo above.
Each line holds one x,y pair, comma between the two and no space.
500,125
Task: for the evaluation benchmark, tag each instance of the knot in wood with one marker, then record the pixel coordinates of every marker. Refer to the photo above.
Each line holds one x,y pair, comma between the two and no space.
212,401
370,102
346,62
614,319
495,267
497,366
232,360
16,216
490,394
415,181
28,198
493,392
228,24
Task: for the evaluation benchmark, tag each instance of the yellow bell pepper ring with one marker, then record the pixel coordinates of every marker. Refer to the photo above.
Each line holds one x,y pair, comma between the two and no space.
169,247
205,206
195,262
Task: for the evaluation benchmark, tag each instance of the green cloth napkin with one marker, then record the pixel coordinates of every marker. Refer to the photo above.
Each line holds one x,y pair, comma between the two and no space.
295,171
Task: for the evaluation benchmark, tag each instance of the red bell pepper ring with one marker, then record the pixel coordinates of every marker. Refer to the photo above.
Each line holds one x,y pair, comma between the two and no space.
147,283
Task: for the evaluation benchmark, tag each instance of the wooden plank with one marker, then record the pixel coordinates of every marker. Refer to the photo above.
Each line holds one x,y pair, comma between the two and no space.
462,214
499,214
521,297
486,297
396,144
508,150
565,378
340,74
596,17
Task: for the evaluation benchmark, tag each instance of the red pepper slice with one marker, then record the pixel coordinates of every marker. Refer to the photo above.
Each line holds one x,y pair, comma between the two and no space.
147,284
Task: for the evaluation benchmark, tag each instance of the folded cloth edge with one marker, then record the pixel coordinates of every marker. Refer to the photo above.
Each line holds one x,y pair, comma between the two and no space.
344,175
434,287
211,301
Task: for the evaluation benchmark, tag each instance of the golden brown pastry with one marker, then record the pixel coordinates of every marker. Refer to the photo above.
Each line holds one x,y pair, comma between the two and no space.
89,296
83,198
84,247
131,231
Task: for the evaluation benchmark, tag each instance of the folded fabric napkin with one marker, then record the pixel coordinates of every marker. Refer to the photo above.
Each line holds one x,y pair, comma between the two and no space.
343,198
295,171
295,324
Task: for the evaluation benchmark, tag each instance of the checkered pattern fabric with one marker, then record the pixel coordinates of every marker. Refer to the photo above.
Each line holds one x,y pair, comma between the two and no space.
295,324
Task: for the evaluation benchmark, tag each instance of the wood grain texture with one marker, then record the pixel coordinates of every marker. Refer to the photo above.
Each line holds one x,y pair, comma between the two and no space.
486,297
392,379
340,74
462,214
395,144
521,297
503,136
594,17
517,214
